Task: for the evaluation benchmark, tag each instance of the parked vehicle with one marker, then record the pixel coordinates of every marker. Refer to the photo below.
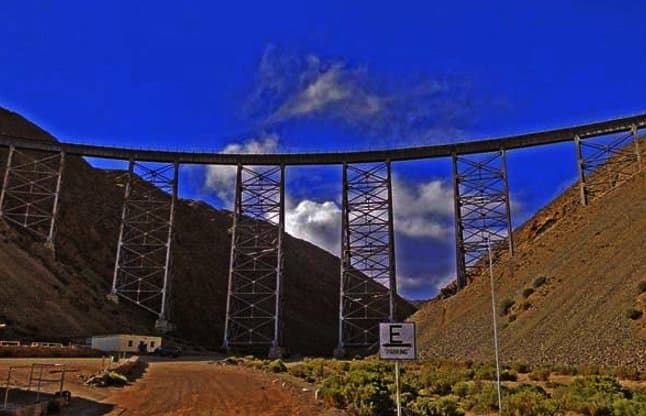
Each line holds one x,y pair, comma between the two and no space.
168,352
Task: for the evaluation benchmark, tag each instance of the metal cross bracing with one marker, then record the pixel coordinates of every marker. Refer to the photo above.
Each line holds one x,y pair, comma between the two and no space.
31,189
605,162
142,269
254,299
482,209
368,283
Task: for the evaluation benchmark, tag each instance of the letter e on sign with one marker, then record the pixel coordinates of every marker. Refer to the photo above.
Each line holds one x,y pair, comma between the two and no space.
397,341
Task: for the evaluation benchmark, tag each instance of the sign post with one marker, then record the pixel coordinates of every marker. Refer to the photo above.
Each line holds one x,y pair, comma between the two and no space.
397,342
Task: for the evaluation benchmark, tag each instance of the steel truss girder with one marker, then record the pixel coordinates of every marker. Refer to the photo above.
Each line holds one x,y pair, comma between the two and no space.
31,190
254,298
142,271
482,209
368,273
604,164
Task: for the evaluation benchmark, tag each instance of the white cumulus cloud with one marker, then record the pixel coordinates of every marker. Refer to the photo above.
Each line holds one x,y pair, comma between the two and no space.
316,222
424,210
222,179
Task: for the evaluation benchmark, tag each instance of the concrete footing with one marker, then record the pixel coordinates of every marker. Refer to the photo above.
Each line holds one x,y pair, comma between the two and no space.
164,326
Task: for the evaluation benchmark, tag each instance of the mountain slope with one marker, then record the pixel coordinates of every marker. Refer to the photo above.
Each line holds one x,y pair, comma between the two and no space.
87,233
592,259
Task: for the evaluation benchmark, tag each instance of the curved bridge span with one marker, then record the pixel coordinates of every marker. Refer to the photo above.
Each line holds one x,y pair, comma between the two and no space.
423,152
607,153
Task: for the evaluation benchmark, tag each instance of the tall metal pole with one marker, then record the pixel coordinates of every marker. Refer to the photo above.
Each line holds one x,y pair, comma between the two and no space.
52,224
510,229
495,326
5,181
391,243
279,267
236,214
169,240
398,395
580,166
633,130
459,243
124,211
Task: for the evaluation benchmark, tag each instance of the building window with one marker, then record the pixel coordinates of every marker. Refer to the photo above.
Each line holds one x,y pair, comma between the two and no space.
130,343
152,344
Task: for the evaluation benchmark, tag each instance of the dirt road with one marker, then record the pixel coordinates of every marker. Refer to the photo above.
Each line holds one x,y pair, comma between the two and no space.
185,387
203,388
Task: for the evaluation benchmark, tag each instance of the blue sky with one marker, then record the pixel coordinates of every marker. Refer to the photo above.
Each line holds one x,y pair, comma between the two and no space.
303,76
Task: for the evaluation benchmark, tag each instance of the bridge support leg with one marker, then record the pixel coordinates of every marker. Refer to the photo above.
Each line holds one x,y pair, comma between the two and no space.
143,265
482,209
255,298
605,162
31,191
368,288
638,152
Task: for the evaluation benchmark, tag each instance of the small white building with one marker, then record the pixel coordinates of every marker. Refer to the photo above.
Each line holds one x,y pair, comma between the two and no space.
125,343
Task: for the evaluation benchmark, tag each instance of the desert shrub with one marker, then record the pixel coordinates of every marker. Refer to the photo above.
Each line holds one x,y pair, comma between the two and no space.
641,287
440,379
277,366
625,407
540,374
526,305
505,306
512,318
316,370
488,372
529,401
527,292
483,397
521,367
443,406
627,373
361,391
591,396
634,314
462,388
539,281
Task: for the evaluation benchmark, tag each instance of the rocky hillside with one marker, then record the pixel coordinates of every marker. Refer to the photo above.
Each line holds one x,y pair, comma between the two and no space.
65,297
571,294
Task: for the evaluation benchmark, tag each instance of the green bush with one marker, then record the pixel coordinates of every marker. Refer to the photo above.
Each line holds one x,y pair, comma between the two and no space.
363,390
488,372
540,374
625,407
444,406
539,281
634,314
440,379
483,397
462,388
527,292
521,367
529,401
641,287
591,396
277,366
505,306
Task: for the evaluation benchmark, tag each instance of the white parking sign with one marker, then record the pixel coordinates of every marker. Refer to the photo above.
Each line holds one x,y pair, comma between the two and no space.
397,341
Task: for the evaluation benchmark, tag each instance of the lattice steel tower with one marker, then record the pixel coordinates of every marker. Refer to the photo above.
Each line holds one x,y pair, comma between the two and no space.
254,299
30,191
368,282
482,209
142,271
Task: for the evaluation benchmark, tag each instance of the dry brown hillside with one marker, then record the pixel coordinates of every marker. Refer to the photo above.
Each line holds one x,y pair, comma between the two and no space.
592,258
75,305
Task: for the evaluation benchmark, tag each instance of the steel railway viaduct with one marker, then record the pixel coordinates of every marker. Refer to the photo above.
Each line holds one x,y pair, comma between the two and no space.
607,153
